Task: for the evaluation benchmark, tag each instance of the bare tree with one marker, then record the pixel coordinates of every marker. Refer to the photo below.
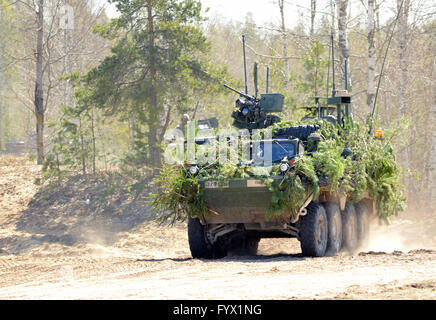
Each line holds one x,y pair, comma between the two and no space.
403,17
372,57
312,18
39,83
431,168
285,43
42,64
49,51
343,39
1,83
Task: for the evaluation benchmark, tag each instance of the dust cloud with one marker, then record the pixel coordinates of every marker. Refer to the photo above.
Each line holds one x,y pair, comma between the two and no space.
409,231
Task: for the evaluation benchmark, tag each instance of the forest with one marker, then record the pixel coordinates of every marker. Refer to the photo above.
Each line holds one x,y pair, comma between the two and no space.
88,94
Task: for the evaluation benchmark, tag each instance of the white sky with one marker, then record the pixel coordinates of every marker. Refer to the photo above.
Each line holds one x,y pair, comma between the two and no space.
264,11
267,11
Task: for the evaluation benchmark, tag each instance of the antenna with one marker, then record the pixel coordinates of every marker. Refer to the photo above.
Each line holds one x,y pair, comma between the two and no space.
267,79
255,77
347,106
245,64
333,65
346,73
328,72
383,65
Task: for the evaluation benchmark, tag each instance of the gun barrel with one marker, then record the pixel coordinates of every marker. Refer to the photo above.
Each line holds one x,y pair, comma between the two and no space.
239,92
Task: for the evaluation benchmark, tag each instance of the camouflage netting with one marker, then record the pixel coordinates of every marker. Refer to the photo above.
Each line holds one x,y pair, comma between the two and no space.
348,160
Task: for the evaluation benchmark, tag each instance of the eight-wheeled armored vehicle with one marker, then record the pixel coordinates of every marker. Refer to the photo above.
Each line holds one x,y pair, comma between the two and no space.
324,225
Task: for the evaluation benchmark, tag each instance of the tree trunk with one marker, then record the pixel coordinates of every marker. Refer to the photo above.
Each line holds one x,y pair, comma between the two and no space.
165,125
372,58
39,83
431,186
1,101
155,151
94,151
402,75
1,122
82,148
132,131
343,39
285,44
312,19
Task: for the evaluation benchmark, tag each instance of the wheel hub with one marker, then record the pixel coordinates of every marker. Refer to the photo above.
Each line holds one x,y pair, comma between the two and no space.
321,230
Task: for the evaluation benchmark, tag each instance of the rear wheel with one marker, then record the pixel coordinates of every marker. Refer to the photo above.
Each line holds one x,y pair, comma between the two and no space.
200,247
349,228
313,231
362,214
334,219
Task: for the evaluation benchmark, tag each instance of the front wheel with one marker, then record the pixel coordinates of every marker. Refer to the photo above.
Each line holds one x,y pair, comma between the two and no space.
200,246
313,231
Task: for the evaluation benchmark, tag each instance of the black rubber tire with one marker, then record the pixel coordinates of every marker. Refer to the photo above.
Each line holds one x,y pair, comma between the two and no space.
363,229
349,228
200,247
334,219
313,231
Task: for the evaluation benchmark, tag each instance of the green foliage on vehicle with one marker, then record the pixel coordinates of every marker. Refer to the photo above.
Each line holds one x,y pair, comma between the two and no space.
371,167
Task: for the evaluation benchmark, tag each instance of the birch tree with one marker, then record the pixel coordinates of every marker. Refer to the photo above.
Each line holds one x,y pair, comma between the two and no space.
342,6
39,83
312,19
1,85
431,187
372,57
47,53
42,64
285,43
403,17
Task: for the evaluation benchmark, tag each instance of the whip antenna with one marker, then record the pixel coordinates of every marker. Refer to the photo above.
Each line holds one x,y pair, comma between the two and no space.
383,66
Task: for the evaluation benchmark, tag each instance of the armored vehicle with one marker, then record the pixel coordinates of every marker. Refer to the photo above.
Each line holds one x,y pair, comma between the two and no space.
324,225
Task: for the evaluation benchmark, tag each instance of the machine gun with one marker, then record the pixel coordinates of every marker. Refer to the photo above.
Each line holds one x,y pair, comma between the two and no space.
252,112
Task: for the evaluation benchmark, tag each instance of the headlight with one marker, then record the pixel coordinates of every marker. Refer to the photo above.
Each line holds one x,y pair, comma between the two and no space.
245,111
284,167
193,170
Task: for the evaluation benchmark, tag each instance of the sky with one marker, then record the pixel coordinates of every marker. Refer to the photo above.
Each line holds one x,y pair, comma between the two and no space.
264,11
267,11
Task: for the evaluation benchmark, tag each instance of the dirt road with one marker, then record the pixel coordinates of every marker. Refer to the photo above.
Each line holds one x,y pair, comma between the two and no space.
401,276
153,262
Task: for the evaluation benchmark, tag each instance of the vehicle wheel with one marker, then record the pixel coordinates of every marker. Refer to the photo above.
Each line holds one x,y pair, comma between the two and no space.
349,228
200,247
313,231
362,214
334,237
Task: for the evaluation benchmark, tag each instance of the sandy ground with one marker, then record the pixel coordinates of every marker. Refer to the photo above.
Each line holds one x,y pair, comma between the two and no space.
147,261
